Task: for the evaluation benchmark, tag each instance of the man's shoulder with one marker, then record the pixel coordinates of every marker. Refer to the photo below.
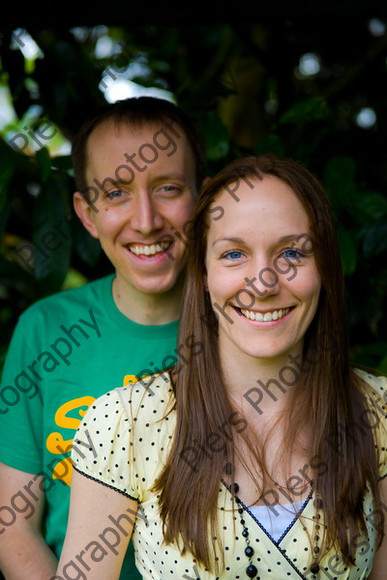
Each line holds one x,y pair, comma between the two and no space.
68,299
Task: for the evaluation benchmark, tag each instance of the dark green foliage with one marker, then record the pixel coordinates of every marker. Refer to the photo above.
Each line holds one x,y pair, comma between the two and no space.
240,83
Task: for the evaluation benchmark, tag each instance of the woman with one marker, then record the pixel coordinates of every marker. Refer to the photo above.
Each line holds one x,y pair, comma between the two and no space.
260,455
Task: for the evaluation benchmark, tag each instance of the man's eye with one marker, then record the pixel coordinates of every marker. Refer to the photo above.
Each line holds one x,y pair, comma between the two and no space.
169,189
114,194
232,255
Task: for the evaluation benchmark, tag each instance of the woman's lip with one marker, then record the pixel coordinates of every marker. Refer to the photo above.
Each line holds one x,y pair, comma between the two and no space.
264,323
261,311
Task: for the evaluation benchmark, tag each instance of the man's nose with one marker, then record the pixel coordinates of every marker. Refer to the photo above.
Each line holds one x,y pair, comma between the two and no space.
146,217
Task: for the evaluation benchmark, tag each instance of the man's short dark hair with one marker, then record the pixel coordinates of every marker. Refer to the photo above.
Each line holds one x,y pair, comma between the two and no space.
137,112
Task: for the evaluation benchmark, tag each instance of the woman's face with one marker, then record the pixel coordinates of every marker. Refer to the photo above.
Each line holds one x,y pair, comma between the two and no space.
261,273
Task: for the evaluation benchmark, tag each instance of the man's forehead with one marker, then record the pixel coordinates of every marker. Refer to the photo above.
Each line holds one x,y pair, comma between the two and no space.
118,129
111,138
120,152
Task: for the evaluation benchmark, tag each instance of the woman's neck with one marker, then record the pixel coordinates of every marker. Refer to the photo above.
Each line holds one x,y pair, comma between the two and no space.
262,385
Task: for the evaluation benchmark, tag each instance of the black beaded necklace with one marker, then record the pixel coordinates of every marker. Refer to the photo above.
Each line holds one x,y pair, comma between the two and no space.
252,570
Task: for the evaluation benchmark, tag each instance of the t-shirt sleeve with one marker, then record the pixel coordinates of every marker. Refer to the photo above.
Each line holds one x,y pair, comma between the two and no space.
377,416
103,444
21,399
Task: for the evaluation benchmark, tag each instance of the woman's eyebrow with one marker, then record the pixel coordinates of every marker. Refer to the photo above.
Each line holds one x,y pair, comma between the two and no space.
292,237
226,239
282,240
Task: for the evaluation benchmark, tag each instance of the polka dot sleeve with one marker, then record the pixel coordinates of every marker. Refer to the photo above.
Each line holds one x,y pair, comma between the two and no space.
108,457
376,419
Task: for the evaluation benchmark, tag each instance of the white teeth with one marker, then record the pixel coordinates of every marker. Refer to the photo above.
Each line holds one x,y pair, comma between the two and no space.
149,250
267,316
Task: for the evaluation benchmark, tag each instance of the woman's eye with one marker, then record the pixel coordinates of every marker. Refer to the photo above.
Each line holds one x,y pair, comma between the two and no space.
232,255
292,255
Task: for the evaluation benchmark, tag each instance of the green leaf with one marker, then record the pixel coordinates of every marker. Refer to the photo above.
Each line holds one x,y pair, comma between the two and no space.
51,235
44,162
74,279
371,355
62,162
376,348
371,203
339,180
312,109
215,135
271,142
375,239
382,366
348,252
8,161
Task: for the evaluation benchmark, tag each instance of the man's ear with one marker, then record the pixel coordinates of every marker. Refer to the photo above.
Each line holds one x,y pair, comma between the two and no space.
86,213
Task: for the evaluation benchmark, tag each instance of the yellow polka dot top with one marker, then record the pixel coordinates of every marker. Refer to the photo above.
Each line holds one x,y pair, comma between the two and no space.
131,430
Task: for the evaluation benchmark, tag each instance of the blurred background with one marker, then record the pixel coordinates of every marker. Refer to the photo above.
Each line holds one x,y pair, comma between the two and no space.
310,86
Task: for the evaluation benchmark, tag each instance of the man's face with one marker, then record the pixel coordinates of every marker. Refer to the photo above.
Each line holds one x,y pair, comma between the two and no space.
142,186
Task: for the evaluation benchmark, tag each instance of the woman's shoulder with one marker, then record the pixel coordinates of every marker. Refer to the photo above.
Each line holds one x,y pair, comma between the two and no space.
374,385
375,416
153,392
119,423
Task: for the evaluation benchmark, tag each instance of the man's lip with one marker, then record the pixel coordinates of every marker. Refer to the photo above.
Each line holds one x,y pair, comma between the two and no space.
158,241
146,249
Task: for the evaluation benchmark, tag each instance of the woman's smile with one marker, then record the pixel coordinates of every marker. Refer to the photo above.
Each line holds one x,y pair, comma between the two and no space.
263,311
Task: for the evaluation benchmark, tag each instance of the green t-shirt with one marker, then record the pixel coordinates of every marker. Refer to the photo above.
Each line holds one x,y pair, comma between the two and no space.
66,351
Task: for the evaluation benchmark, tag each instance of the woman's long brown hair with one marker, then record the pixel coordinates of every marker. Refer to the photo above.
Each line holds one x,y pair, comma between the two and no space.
328,396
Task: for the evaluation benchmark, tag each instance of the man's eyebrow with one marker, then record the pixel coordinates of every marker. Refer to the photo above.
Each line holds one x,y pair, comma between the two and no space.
172,175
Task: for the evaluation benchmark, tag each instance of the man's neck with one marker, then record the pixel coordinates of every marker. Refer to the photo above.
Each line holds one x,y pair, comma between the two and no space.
147,309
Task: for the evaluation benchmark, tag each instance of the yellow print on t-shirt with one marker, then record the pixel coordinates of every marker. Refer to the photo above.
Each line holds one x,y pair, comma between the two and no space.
56,443
129,380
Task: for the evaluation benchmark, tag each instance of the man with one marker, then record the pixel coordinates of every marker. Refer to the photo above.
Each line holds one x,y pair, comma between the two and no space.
138,165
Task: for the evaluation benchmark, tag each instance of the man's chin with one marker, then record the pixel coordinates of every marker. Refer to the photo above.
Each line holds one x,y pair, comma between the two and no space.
157,285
